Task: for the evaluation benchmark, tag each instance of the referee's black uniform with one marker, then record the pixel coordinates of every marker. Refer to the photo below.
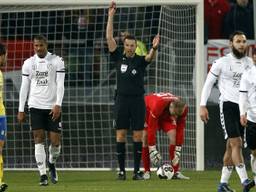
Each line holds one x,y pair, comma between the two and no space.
129,108
129,103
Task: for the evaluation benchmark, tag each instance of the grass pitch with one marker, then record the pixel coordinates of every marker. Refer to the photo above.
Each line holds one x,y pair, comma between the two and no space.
104,181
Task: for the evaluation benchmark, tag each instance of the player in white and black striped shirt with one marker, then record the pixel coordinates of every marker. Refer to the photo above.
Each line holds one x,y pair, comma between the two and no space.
247,106
228,71
43,83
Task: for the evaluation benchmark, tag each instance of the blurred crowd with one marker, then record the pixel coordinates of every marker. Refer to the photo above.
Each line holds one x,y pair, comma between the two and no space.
223,17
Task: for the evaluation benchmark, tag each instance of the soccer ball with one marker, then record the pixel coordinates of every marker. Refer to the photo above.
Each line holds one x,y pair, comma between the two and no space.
165,171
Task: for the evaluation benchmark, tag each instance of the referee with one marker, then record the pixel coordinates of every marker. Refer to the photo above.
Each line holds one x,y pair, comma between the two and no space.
129,103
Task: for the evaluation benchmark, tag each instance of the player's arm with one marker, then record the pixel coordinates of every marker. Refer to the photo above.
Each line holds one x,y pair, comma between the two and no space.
109,32
24,89
154,155
210,80
56,111
152,52
243,100
152,129
181,123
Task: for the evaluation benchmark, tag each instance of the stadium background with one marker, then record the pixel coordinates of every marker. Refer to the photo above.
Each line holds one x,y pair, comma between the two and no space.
78,35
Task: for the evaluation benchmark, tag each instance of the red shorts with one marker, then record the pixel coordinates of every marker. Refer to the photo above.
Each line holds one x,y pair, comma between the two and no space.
165,123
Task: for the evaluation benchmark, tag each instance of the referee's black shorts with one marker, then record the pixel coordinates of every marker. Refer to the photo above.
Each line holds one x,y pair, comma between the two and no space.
251,135
41,119
129,111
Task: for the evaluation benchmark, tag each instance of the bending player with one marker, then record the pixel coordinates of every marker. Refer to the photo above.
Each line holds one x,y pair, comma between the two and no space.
168,113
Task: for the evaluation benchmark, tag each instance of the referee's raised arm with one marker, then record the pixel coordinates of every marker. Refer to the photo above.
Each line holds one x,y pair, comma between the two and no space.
152,52
109,32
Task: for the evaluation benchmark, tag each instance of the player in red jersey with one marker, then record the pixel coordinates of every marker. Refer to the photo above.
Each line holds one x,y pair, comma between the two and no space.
166,112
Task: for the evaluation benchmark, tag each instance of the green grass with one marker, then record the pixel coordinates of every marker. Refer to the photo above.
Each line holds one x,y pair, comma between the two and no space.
99,181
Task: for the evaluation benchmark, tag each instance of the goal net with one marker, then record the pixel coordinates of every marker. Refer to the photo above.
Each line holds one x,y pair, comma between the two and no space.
77,33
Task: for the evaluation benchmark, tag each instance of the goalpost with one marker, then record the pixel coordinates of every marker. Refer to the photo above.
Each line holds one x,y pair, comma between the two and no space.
76,31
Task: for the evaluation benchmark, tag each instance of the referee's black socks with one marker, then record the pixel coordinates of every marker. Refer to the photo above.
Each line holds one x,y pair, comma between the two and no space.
120,149
137,150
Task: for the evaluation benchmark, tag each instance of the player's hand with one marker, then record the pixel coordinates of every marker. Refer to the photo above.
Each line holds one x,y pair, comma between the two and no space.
243,120
204,115
55,112
156,41
176,158
21,117
155,158
112,8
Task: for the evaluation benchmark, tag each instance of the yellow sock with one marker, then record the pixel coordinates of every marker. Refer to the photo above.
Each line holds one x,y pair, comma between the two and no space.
1,169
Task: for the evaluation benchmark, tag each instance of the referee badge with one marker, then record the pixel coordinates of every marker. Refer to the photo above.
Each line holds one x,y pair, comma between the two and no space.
134,71
124,68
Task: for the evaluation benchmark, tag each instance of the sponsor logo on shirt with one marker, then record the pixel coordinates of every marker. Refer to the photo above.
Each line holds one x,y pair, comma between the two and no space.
236,79
42,78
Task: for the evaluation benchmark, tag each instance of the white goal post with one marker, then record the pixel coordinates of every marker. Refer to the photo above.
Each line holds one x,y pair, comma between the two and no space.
75,113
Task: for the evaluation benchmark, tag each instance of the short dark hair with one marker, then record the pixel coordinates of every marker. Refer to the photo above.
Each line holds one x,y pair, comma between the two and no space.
130,37
41,38
2,49
231,37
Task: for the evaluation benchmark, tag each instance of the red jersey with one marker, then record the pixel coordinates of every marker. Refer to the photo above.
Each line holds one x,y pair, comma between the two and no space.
214,13
158,117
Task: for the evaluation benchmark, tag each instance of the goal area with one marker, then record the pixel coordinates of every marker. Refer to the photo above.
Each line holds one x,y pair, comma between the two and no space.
76,31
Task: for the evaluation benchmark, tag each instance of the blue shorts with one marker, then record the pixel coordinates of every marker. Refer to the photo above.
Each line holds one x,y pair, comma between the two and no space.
3,127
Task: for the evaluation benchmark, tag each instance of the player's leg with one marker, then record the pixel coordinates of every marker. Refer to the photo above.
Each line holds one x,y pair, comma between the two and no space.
170,130
234,133
40,155
121,123
137,150
178,148
251,144
137,111
253,164
145,155
3,128
121,151
226,170
237,158
37,119
145,150
54,153
236,144
54,129
172,144
176,138
227,160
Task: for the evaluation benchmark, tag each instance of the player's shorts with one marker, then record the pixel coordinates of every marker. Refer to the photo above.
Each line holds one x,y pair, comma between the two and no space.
165,124
230,120
251,135
41,119
3,127
129,111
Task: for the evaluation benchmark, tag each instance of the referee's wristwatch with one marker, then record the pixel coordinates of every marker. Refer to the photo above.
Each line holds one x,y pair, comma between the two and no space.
154,48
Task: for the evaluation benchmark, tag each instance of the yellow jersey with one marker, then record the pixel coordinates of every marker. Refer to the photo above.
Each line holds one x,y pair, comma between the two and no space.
2,108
